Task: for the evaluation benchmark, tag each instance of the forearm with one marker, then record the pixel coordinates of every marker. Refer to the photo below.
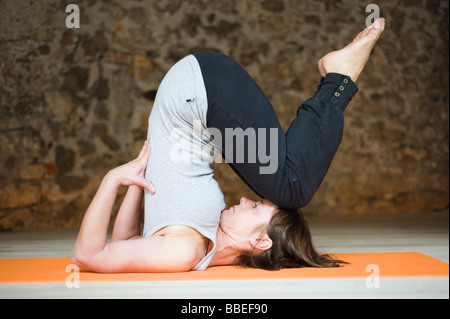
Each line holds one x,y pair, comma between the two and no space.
92,237
127,224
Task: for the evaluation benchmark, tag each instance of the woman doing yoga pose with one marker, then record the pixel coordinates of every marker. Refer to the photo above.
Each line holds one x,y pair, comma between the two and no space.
208,105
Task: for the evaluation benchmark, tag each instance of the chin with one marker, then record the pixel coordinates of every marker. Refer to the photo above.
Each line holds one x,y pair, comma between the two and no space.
224,214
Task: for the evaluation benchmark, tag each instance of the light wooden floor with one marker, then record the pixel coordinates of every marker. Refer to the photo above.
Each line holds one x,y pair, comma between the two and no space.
425,233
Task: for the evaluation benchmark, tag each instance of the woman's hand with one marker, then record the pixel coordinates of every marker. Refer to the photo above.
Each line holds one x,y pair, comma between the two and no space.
132,173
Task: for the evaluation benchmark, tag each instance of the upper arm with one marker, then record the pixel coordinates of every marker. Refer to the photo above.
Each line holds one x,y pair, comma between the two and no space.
149,254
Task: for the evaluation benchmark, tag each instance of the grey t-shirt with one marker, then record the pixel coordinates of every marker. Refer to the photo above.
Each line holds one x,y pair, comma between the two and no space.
181,158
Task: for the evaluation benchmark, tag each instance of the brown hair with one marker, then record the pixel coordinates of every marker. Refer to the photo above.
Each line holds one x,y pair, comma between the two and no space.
292,245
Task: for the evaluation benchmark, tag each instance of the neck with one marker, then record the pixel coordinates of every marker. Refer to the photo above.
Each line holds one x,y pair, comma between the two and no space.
226,252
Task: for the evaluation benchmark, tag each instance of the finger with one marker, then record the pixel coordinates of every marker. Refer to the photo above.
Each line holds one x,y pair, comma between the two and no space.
142,182
142,152
147,185
146,152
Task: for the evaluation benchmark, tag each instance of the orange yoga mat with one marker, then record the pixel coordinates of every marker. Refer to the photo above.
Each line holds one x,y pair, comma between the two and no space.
362,265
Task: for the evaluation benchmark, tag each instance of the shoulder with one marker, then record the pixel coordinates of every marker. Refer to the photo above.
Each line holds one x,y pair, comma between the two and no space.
188,245
174,252
188,252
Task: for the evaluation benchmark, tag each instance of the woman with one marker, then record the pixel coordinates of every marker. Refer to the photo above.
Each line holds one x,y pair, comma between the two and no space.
207,104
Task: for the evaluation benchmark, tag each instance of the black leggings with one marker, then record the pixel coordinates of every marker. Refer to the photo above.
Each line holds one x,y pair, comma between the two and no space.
289,177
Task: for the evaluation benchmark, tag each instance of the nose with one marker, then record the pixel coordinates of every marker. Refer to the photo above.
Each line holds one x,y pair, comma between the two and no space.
245,201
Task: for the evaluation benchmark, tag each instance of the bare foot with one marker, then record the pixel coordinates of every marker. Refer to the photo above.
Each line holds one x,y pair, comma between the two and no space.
352,59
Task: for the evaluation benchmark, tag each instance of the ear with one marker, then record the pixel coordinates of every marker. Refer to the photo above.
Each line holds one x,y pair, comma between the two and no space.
263,244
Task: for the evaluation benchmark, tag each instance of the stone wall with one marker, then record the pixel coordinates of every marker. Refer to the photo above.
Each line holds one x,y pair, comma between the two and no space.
74,103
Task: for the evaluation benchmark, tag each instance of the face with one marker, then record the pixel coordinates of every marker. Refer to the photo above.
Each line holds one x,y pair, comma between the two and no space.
247,220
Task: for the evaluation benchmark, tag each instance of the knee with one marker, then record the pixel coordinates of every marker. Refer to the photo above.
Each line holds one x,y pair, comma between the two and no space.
292,199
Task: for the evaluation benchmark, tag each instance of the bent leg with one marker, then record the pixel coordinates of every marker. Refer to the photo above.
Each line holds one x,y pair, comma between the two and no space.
239,110
304,153
315,135
284,168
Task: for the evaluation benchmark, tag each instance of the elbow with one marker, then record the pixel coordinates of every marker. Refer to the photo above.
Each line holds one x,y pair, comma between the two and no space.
81,259
78,259
86,263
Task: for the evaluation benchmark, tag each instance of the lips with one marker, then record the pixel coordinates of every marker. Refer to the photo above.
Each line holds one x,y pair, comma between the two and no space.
230,210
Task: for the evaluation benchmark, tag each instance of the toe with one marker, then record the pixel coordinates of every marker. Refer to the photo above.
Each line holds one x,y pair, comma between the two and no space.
377,29
378,24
